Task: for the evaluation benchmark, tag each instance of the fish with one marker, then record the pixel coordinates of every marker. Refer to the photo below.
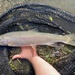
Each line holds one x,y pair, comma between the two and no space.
28,38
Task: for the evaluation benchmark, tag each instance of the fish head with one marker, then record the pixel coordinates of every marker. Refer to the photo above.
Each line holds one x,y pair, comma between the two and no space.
3,41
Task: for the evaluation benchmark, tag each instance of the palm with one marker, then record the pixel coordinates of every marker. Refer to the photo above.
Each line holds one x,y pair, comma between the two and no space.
27,52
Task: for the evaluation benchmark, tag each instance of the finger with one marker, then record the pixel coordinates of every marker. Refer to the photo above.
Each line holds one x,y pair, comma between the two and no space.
26,47
34,50
17,56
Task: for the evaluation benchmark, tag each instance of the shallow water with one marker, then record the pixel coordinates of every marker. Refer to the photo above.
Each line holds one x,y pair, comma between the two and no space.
68,5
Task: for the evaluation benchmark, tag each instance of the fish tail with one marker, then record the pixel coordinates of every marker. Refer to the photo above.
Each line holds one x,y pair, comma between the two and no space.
71,39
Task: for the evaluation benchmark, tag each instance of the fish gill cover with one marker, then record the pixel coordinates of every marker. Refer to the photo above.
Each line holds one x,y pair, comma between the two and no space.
45,19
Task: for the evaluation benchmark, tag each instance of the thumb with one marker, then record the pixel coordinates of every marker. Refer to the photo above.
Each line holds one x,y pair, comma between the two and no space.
16,56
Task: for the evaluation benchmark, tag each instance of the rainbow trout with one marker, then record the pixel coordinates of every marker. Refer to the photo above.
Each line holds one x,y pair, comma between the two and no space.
27,38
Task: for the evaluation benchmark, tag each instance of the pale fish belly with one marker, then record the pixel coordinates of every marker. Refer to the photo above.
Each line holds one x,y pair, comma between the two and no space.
27,41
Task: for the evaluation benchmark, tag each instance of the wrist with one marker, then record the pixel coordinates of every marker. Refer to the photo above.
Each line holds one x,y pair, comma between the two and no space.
34,58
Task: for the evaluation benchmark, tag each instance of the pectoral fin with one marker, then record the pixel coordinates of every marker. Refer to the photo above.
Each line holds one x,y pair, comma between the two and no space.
52,44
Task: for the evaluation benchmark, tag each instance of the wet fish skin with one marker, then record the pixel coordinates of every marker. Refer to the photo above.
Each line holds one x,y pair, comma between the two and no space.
27,38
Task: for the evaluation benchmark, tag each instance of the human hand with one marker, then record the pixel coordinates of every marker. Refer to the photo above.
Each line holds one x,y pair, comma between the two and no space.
28,52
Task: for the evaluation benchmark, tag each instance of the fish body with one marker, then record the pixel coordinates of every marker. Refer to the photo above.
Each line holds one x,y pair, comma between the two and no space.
27,38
